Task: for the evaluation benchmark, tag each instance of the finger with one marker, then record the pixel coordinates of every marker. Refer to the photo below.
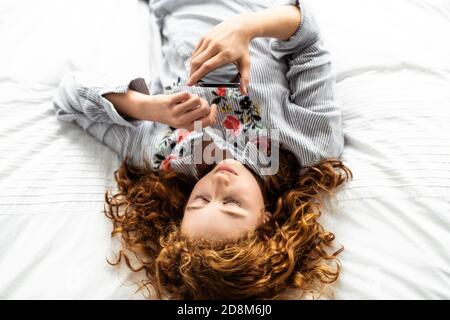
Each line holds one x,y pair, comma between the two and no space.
210,119
213,63
200,47
199,60
206,121
192,103
179,97
244,70
196,114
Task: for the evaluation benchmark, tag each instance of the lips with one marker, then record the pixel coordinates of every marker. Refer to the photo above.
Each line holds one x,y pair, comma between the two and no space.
224,167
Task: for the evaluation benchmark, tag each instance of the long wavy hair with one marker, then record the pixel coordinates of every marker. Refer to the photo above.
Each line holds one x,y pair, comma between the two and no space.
292,250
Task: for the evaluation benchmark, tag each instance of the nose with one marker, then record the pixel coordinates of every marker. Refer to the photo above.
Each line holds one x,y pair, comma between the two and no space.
221,181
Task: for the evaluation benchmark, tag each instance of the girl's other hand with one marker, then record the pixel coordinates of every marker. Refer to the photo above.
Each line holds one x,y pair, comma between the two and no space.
228,42
180,110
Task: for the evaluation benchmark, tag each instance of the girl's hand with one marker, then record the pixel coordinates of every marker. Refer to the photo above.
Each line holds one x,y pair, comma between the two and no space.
228,42
179,110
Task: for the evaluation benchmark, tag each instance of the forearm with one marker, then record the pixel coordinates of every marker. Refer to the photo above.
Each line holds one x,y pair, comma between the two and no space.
178,110
129,104
280,23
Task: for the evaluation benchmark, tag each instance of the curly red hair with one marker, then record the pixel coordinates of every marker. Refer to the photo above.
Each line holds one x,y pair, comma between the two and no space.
291,251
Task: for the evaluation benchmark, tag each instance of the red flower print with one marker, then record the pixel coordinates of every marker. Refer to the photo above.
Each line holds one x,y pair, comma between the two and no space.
221,91
165,164
182,134
232,123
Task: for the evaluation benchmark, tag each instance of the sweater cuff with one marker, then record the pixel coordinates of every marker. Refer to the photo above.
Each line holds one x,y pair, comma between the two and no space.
100,110
306,33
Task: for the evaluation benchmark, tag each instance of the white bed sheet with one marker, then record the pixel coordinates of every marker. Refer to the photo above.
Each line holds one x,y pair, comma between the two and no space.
393,70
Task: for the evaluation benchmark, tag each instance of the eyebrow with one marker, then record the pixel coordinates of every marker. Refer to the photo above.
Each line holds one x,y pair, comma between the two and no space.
233,213
229,212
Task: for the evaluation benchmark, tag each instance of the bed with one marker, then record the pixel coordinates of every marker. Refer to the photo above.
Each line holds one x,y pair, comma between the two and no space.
392,63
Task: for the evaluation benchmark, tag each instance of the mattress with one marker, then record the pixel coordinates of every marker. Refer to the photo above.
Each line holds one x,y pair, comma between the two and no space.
392,65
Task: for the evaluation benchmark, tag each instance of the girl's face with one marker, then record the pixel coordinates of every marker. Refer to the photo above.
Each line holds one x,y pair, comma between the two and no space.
224,204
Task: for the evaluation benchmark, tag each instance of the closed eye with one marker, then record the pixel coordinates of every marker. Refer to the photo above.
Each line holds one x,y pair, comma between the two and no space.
232,201
203,198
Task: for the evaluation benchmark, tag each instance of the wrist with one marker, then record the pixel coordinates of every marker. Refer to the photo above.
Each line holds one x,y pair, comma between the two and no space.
247,27
148,108
278,23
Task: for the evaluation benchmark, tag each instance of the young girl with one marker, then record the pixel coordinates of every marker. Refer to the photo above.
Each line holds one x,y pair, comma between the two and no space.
228,210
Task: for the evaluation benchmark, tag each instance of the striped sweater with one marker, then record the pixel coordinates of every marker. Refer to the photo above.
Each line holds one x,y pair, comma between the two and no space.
290,102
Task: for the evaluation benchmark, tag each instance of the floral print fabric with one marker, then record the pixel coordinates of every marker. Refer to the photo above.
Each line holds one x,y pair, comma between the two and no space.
236,115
